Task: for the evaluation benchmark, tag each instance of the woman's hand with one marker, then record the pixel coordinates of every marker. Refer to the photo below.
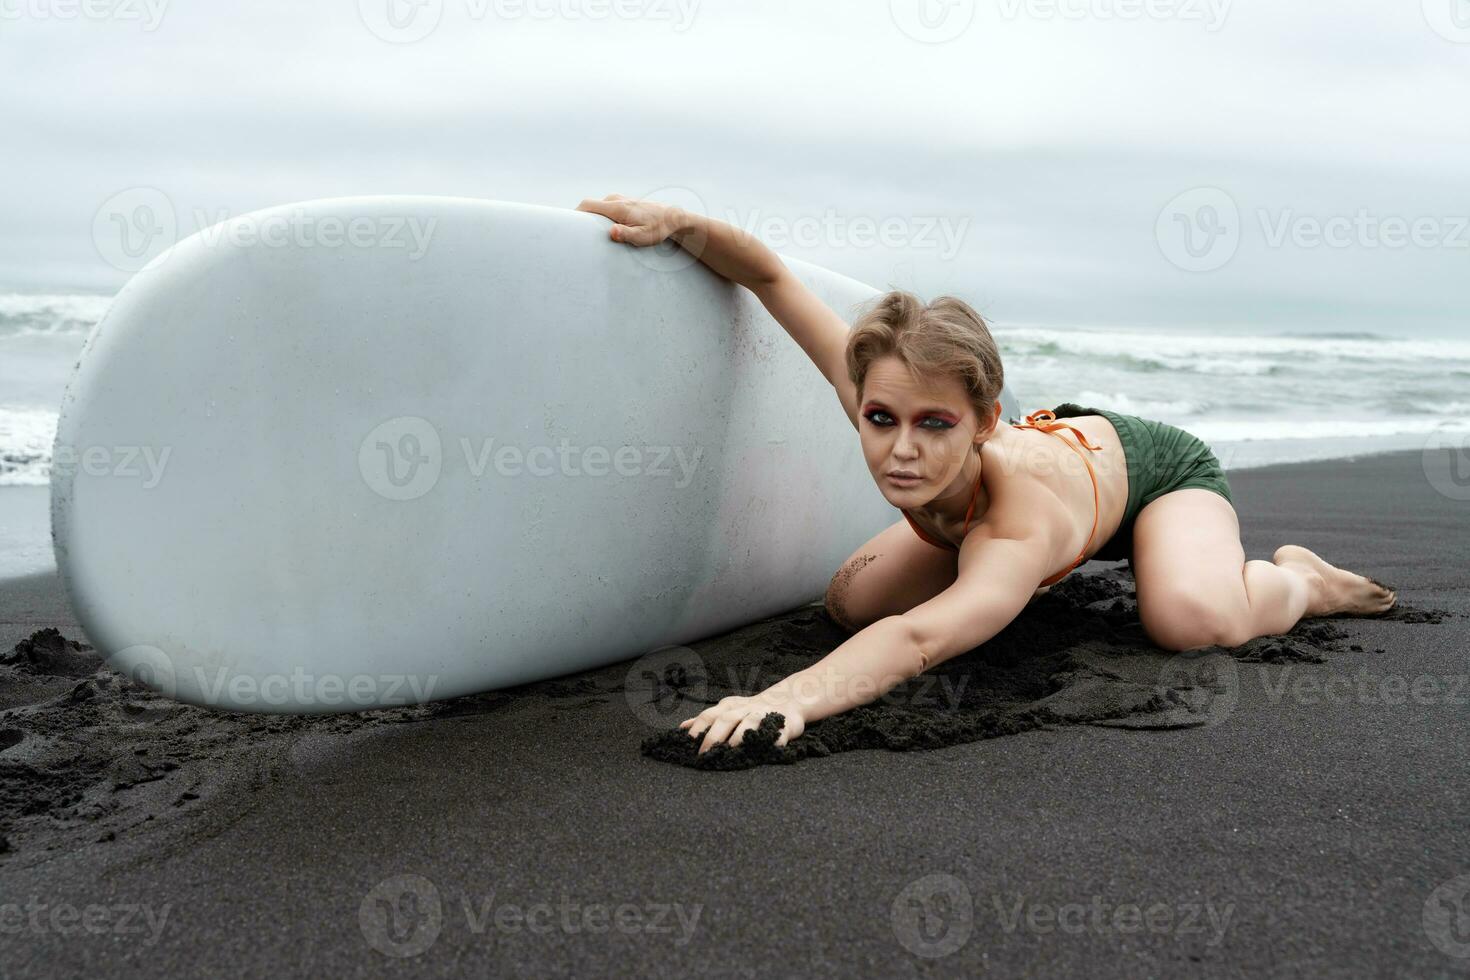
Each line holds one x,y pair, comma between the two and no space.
636,222
732,717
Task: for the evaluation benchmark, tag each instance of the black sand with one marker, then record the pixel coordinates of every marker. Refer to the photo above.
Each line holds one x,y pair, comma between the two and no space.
1064,799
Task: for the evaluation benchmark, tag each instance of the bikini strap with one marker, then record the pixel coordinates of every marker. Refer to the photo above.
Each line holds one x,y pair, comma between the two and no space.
969,512
1044,420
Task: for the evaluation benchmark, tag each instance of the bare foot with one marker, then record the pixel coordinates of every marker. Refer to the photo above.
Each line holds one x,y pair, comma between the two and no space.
1335,591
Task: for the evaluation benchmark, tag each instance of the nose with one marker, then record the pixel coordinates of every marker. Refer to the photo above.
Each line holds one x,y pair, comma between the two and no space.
905,447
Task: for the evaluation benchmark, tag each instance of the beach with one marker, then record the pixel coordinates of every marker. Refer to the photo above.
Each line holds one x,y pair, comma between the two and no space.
1065,799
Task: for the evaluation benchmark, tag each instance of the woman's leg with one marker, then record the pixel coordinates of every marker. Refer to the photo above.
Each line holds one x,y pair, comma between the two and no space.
892,572
1195,588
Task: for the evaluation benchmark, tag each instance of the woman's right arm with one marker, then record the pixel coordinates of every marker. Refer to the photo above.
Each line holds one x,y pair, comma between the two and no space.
743,259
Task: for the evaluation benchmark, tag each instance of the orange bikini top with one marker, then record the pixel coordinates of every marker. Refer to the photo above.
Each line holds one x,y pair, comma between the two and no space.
1043,421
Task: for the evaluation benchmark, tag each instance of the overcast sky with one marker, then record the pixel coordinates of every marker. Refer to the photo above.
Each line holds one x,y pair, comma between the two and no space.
1067,162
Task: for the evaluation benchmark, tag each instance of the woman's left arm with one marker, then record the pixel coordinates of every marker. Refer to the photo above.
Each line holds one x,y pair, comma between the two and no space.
997,577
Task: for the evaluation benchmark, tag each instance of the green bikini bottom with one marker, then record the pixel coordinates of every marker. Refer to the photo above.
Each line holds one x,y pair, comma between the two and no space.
1160,459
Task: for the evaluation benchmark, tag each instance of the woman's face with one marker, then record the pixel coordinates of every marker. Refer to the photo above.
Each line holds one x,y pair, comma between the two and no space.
924,428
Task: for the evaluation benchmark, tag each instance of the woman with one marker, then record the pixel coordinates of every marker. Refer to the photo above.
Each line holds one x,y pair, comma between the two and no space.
992,514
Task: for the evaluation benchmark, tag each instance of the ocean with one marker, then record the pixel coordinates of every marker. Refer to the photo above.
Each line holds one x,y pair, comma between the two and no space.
1254,398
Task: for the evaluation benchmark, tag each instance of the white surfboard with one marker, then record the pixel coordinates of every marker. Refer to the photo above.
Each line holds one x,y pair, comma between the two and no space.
381,450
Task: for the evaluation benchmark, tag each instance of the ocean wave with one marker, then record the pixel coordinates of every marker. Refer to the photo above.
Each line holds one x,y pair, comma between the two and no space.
1457,409
1250,430
1335,335
50,313
1187,351
1131,405
26,436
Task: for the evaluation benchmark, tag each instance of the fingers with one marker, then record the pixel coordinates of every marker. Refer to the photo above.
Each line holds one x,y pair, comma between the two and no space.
717,732
608,207
752,720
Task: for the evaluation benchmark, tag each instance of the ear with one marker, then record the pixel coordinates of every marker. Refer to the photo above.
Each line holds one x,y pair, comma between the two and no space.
987,425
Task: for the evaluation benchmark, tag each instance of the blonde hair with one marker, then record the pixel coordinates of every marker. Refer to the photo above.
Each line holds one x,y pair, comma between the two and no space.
943,338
